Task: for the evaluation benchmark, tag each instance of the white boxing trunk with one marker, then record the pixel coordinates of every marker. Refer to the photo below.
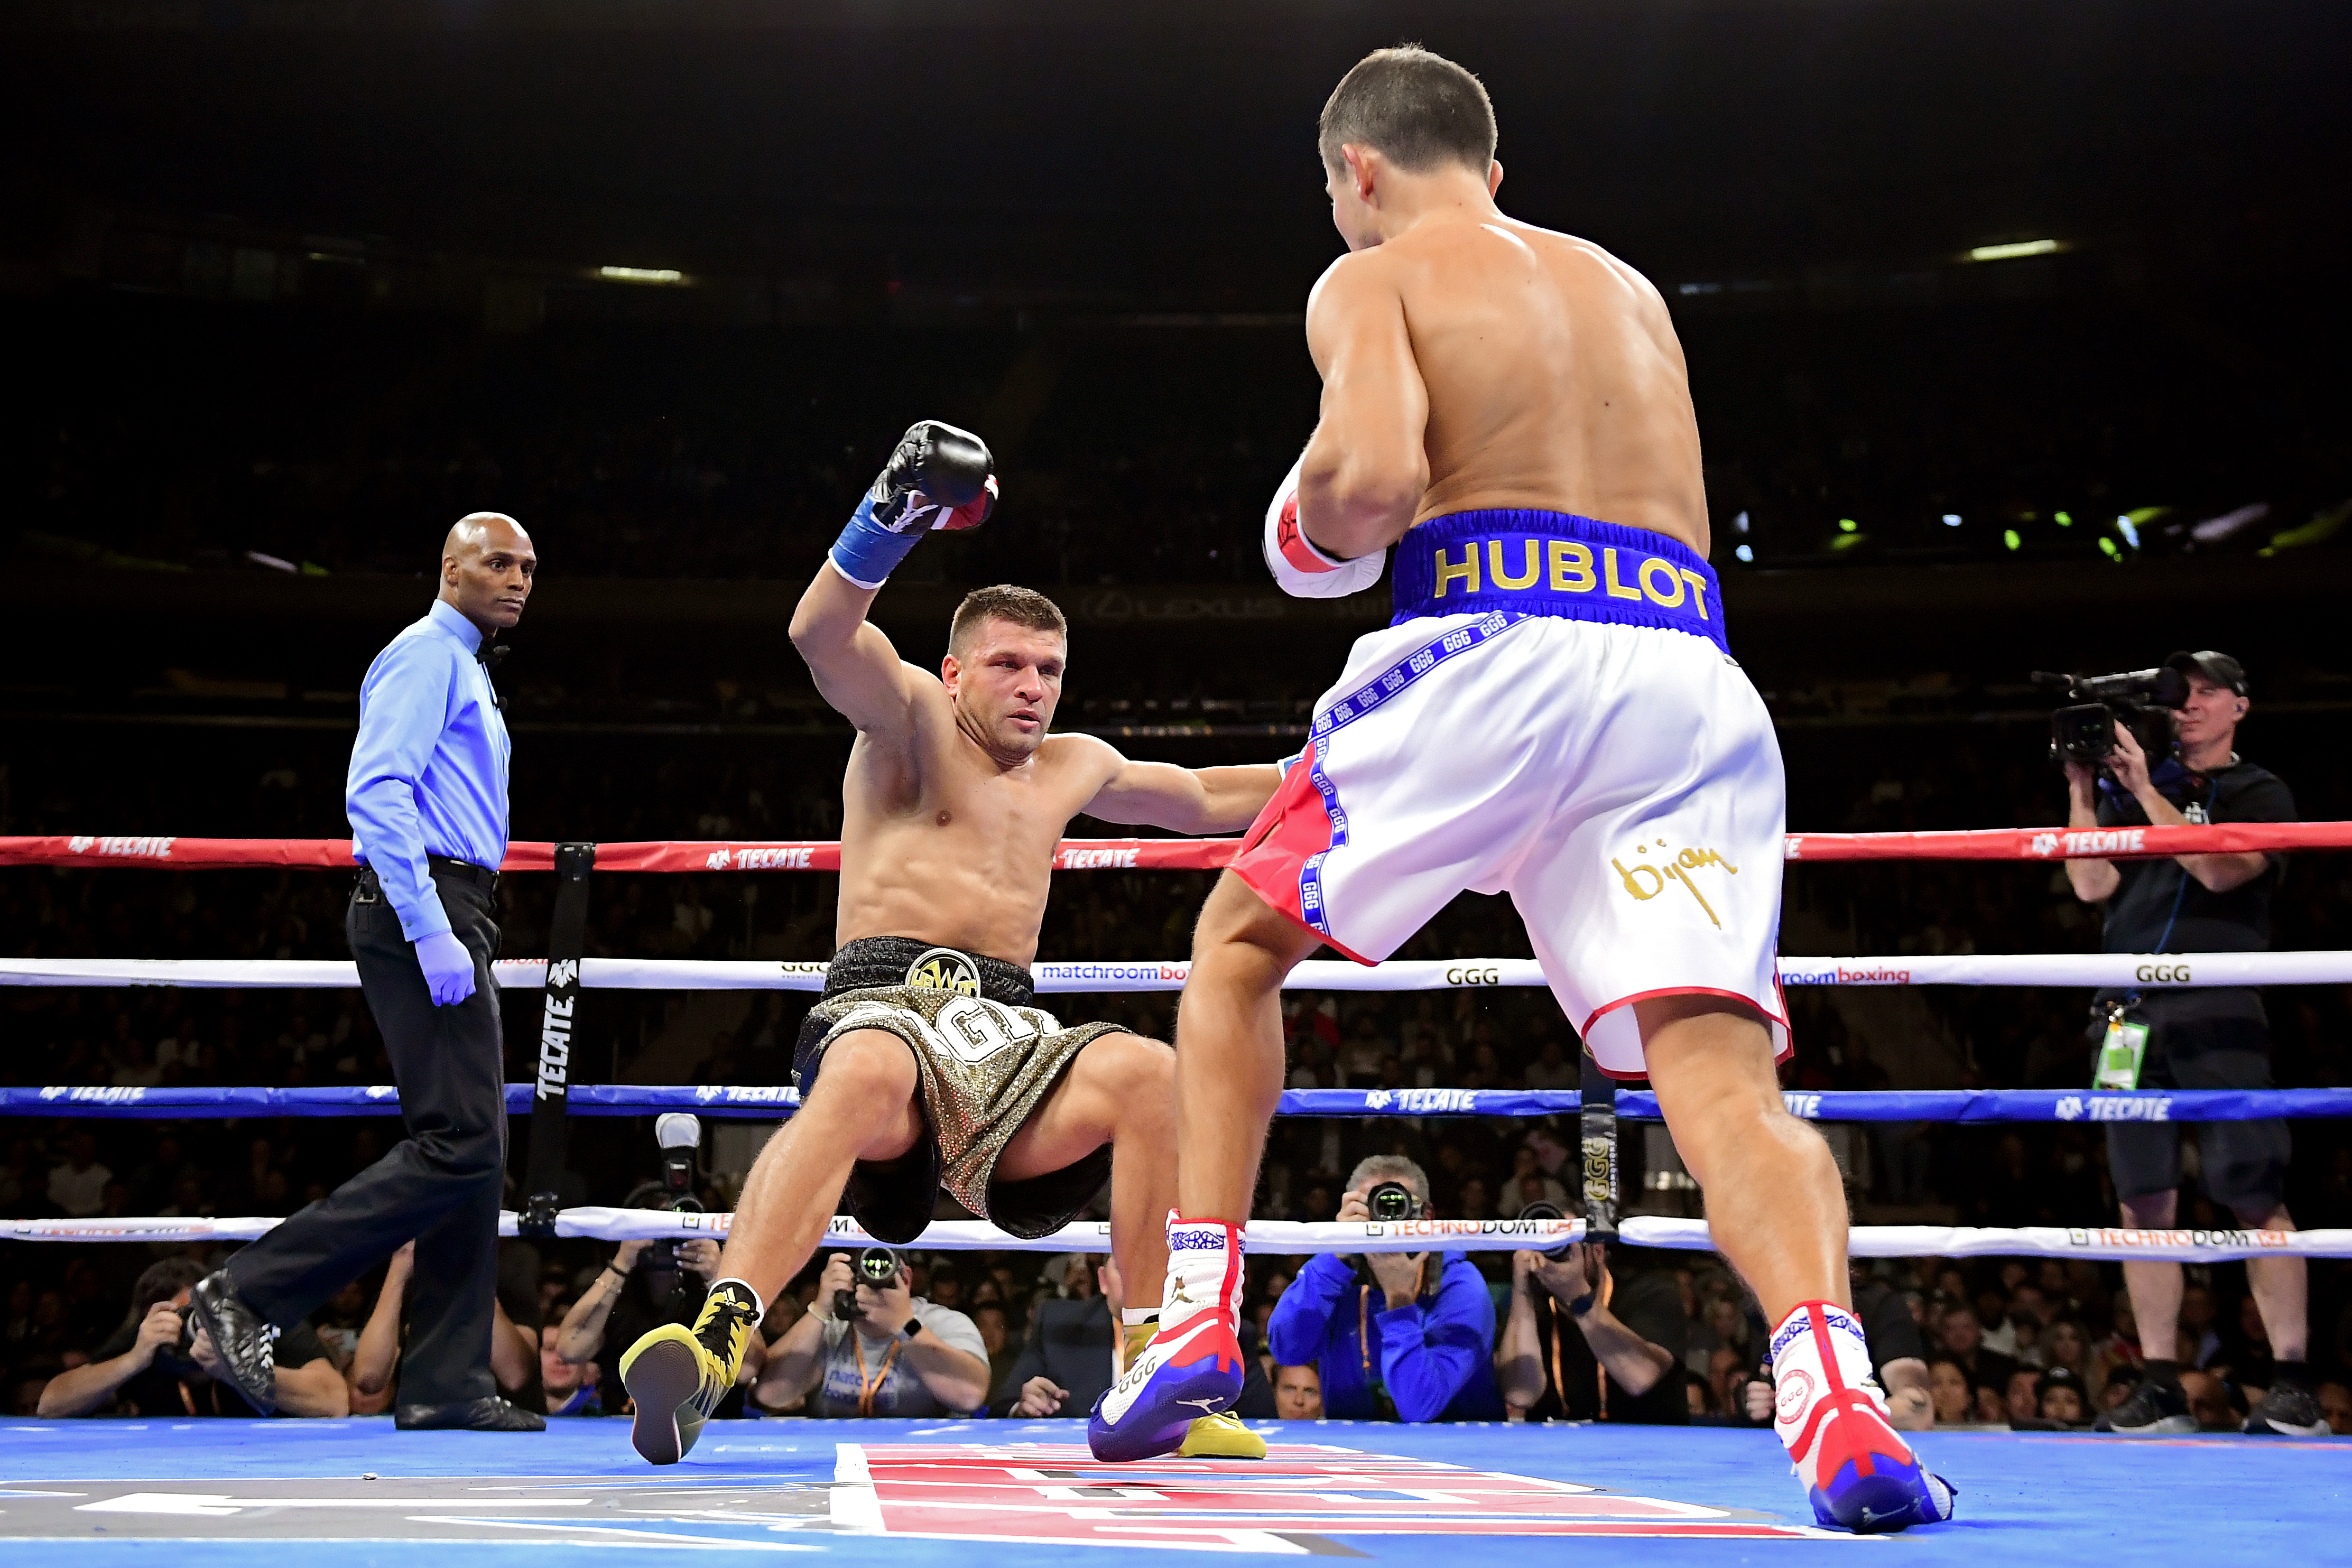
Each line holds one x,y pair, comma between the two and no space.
1620,783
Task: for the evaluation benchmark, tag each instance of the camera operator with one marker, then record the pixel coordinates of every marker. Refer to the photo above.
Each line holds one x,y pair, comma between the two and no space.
892,1353
1401,1336
646,1284
2207,1038
161,1365
1622,1362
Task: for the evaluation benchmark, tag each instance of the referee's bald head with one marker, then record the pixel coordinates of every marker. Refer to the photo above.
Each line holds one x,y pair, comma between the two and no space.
486,567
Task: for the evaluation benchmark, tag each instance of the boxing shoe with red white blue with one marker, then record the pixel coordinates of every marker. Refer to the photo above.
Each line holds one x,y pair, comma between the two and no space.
1192,1366
1859,1474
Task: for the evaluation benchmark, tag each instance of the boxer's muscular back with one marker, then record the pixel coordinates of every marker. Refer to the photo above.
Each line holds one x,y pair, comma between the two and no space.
1554,377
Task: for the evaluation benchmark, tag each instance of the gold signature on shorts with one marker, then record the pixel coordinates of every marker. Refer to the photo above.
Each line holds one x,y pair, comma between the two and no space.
1672,868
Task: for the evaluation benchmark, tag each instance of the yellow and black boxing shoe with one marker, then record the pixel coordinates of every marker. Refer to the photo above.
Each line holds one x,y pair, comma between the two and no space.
1218,1436
678,1376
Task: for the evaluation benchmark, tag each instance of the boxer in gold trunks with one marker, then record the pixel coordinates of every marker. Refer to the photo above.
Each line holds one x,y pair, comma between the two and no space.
926,1064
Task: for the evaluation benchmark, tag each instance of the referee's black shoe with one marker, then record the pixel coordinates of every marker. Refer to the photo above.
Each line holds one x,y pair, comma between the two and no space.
2155,1409
487,1414
246,1343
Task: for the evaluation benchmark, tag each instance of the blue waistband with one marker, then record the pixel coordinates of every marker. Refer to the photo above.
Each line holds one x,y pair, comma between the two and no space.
1552,563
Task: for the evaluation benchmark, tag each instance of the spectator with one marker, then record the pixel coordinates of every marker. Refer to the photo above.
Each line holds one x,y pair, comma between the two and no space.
988,1317
1962,1333
1066,1360
1552,1069
2214,1403
2023,1399
156,1364
896,1356
2063,1401
77,1186
570,1388
372,1375
1299,1393
643,1285
1622,1364
2337,1400
1948,1386
1423,1352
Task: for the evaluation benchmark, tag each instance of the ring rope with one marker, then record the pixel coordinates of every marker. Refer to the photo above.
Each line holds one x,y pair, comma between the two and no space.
761,1101
1166,854
2169,971
1278,1238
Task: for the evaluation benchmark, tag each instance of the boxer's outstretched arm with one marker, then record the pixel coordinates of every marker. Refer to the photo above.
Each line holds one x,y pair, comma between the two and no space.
856,669
1366,468
1181,800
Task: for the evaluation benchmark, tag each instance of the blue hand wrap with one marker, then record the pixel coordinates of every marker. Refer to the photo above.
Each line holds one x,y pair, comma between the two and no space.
866,552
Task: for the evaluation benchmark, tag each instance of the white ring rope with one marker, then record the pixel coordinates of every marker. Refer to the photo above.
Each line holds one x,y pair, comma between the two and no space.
2148,971
1278,1238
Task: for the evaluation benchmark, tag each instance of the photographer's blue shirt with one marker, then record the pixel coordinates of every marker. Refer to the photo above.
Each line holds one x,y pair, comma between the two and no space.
428,772
1434,1357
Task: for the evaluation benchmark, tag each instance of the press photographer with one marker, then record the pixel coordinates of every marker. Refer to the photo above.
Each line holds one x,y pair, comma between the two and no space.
869,1346
159,1364
1396,1336
2188,771
1581,1344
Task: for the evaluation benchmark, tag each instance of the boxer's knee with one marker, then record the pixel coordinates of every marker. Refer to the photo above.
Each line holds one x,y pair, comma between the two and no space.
1237,927
867,1076
1132,1079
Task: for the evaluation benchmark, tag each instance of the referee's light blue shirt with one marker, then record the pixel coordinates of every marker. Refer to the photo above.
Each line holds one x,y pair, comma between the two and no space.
429,770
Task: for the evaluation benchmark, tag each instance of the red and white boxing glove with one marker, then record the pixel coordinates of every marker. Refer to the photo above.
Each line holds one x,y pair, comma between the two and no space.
1303,571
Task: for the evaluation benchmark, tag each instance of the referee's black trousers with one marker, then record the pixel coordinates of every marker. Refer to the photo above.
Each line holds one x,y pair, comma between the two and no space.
441,1186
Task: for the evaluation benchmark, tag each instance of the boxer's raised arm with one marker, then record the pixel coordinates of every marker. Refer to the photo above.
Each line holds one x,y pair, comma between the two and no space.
856,669
1183,800
1365,469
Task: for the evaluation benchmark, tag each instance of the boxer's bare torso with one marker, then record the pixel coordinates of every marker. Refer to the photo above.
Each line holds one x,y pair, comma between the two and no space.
956,794
943,842
1530,369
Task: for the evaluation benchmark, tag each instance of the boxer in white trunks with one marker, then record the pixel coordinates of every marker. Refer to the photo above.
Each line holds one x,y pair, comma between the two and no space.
1553,713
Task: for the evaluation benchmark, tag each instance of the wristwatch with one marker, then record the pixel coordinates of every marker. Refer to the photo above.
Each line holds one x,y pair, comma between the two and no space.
913,1326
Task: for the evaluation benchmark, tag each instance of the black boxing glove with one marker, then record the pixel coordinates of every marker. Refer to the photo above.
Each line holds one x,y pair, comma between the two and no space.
938,478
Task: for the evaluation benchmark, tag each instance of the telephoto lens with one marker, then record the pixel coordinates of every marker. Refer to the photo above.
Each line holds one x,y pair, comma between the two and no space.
1392,1200
1548,1211
878,1266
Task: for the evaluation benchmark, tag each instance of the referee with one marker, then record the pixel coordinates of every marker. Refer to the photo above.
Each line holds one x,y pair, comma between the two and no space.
427,801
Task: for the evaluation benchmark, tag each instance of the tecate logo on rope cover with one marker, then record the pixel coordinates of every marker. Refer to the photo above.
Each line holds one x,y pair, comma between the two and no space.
2075,1108
135,849
1096,859
748,1094
94,1094
2118,1237
774,857
1807,1106
1841,975
1421,1100
2104,842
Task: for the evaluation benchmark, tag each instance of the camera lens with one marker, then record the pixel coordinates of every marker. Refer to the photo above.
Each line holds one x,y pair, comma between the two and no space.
878,1266
1392,1200
1546,1211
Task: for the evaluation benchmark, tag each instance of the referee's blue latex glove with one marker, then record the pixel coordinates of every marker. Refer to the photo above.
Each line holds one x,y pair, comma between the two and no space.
448,969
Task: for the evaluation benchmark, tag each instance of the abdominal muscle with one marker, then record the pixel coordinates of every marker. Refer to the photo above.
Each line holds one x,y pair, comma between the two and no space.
953,889
1554,381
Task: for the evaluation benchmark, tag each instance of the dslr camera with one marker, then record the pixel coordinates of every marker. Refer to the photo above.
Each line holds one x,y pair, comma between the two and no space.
874,1266
1392,1201
2140,701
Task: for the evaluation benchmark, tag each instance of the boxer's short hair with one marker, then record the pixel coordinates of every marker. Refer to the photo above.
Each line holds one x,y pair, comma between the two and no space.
1415,108
1022,606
